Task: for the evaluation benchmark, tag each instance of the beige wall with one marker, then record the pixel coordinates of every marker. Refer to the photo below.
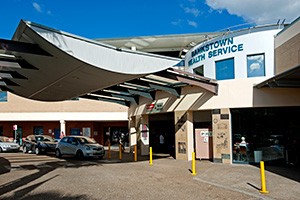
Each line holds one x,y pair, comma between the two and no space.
221,136
19,104
287,48
240,93
184,134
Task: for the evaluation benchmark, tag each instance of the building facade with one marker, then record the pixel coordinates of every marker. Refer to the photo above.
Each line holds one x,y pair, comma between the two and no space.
236,99
249,119
73,117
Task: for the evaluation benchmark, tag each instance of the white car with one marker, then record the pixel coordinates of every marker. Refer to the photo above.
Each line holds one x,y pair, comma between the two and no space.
79,146
7,144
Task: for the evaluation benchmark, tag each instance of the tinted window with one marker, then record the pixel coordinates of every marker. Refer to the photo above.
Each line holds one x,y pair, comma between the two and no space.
72,140
65,139
38,130
256,65
44,138
86,140
225,69
3,96
199,70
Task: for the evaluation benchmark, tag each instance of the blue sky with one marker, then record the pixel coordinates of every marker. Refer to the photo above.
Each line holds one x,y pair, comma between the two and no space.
120,18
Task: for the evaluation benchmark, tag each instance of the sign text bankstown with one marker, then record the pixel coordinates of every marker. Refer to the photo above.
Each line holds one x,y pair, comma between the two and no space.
213,49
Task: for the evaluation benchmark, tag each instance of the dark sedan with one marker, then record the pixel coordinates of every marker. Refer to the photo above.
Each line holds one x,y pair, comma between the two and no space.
39,144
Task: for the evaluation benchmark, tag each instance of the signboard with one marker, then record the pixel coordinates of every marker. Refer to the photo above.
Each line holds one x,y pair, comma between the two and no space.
133,139
144,134
213,49
86,131
154,107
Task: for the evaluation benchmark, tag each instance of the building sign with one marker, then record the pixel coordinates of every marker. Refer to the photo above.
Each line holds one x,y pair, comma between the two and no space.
144,134
154,107
214,49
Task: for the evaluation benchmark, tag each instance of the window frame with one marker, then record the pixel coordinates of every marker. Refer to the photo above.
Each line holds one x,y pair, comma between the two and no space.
264,64
233,69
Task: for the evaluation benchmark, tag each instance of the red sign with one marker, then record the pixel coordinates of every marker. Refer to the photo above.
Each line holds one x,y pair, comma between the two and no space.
150,106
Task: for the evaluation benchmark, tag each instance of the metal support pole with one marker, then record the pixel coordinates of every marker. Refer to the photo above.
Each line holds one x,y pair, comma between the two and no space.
263,178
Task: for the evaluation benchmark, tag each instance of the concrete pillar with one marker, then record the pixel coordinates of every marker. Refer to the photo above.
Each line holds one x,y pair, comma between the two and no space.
221,131
63,126
184,135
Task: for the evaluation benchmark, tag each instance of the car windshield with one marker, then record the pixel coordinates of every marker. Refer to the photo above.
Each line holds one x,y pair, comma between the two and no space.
44,138
86,140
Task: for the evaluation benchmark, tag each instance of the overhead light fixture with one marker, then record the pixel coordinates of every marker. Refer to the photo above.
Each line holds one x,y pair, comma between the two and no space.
192,44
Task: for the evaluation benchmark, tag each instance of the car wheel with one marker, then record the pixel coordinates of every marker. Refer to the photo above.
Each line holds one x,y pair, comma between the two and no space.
25,149
79,154
57,153
1,150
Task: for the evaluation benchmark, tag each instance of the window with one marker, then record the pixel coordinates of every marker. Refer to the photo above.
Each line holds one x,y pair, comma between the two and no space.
3,96
75,131
199,70
38,130
225,69
256,65
65,139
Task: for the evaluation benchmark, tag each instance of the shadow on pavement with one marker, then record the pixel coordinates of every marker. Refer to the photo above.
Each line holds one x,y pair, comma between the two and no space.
48,166
4,166
287,171
292,173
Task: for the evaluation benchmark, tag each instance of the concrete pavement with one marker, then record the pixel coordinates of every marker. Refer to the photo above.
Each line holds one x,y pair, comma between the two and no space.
28,176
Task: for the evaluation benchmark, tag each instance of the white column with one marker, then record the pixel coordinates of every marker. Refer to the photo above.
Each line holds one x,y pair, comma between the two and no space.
190,134
63,126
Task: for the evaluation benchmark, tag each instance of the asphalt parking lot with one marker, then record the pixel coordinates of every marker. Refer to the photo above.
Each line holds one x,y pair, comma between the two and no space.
28,176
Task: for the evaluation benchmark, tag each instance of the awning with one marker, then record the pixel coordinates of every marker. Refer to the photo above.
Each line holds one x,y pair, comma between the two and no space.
287,79
41,63
170,80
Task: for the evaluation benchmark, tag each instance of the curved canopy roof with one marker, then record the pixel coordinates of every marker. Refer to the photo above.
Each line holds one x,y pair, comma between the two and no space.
63,66
45,64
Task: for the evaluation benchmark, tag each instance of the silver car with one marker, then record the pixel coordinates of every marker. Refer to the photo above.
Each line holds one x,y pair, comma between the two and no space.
7,144
79,146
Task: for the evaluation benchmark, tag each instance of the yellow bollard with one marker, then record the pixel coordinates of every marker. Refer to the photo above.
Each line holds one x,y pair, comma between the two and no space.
135,152
194,173
150,161
120,152
263,178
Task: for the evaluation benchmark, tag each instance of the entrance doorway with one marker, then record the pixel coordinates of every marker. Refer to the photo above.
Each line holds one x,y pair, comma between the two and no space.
162,133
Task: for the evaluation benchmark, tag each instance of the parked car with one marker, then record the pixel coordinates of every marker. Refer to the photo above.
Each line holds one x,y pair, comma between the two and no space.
79,146
39,144
7,144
